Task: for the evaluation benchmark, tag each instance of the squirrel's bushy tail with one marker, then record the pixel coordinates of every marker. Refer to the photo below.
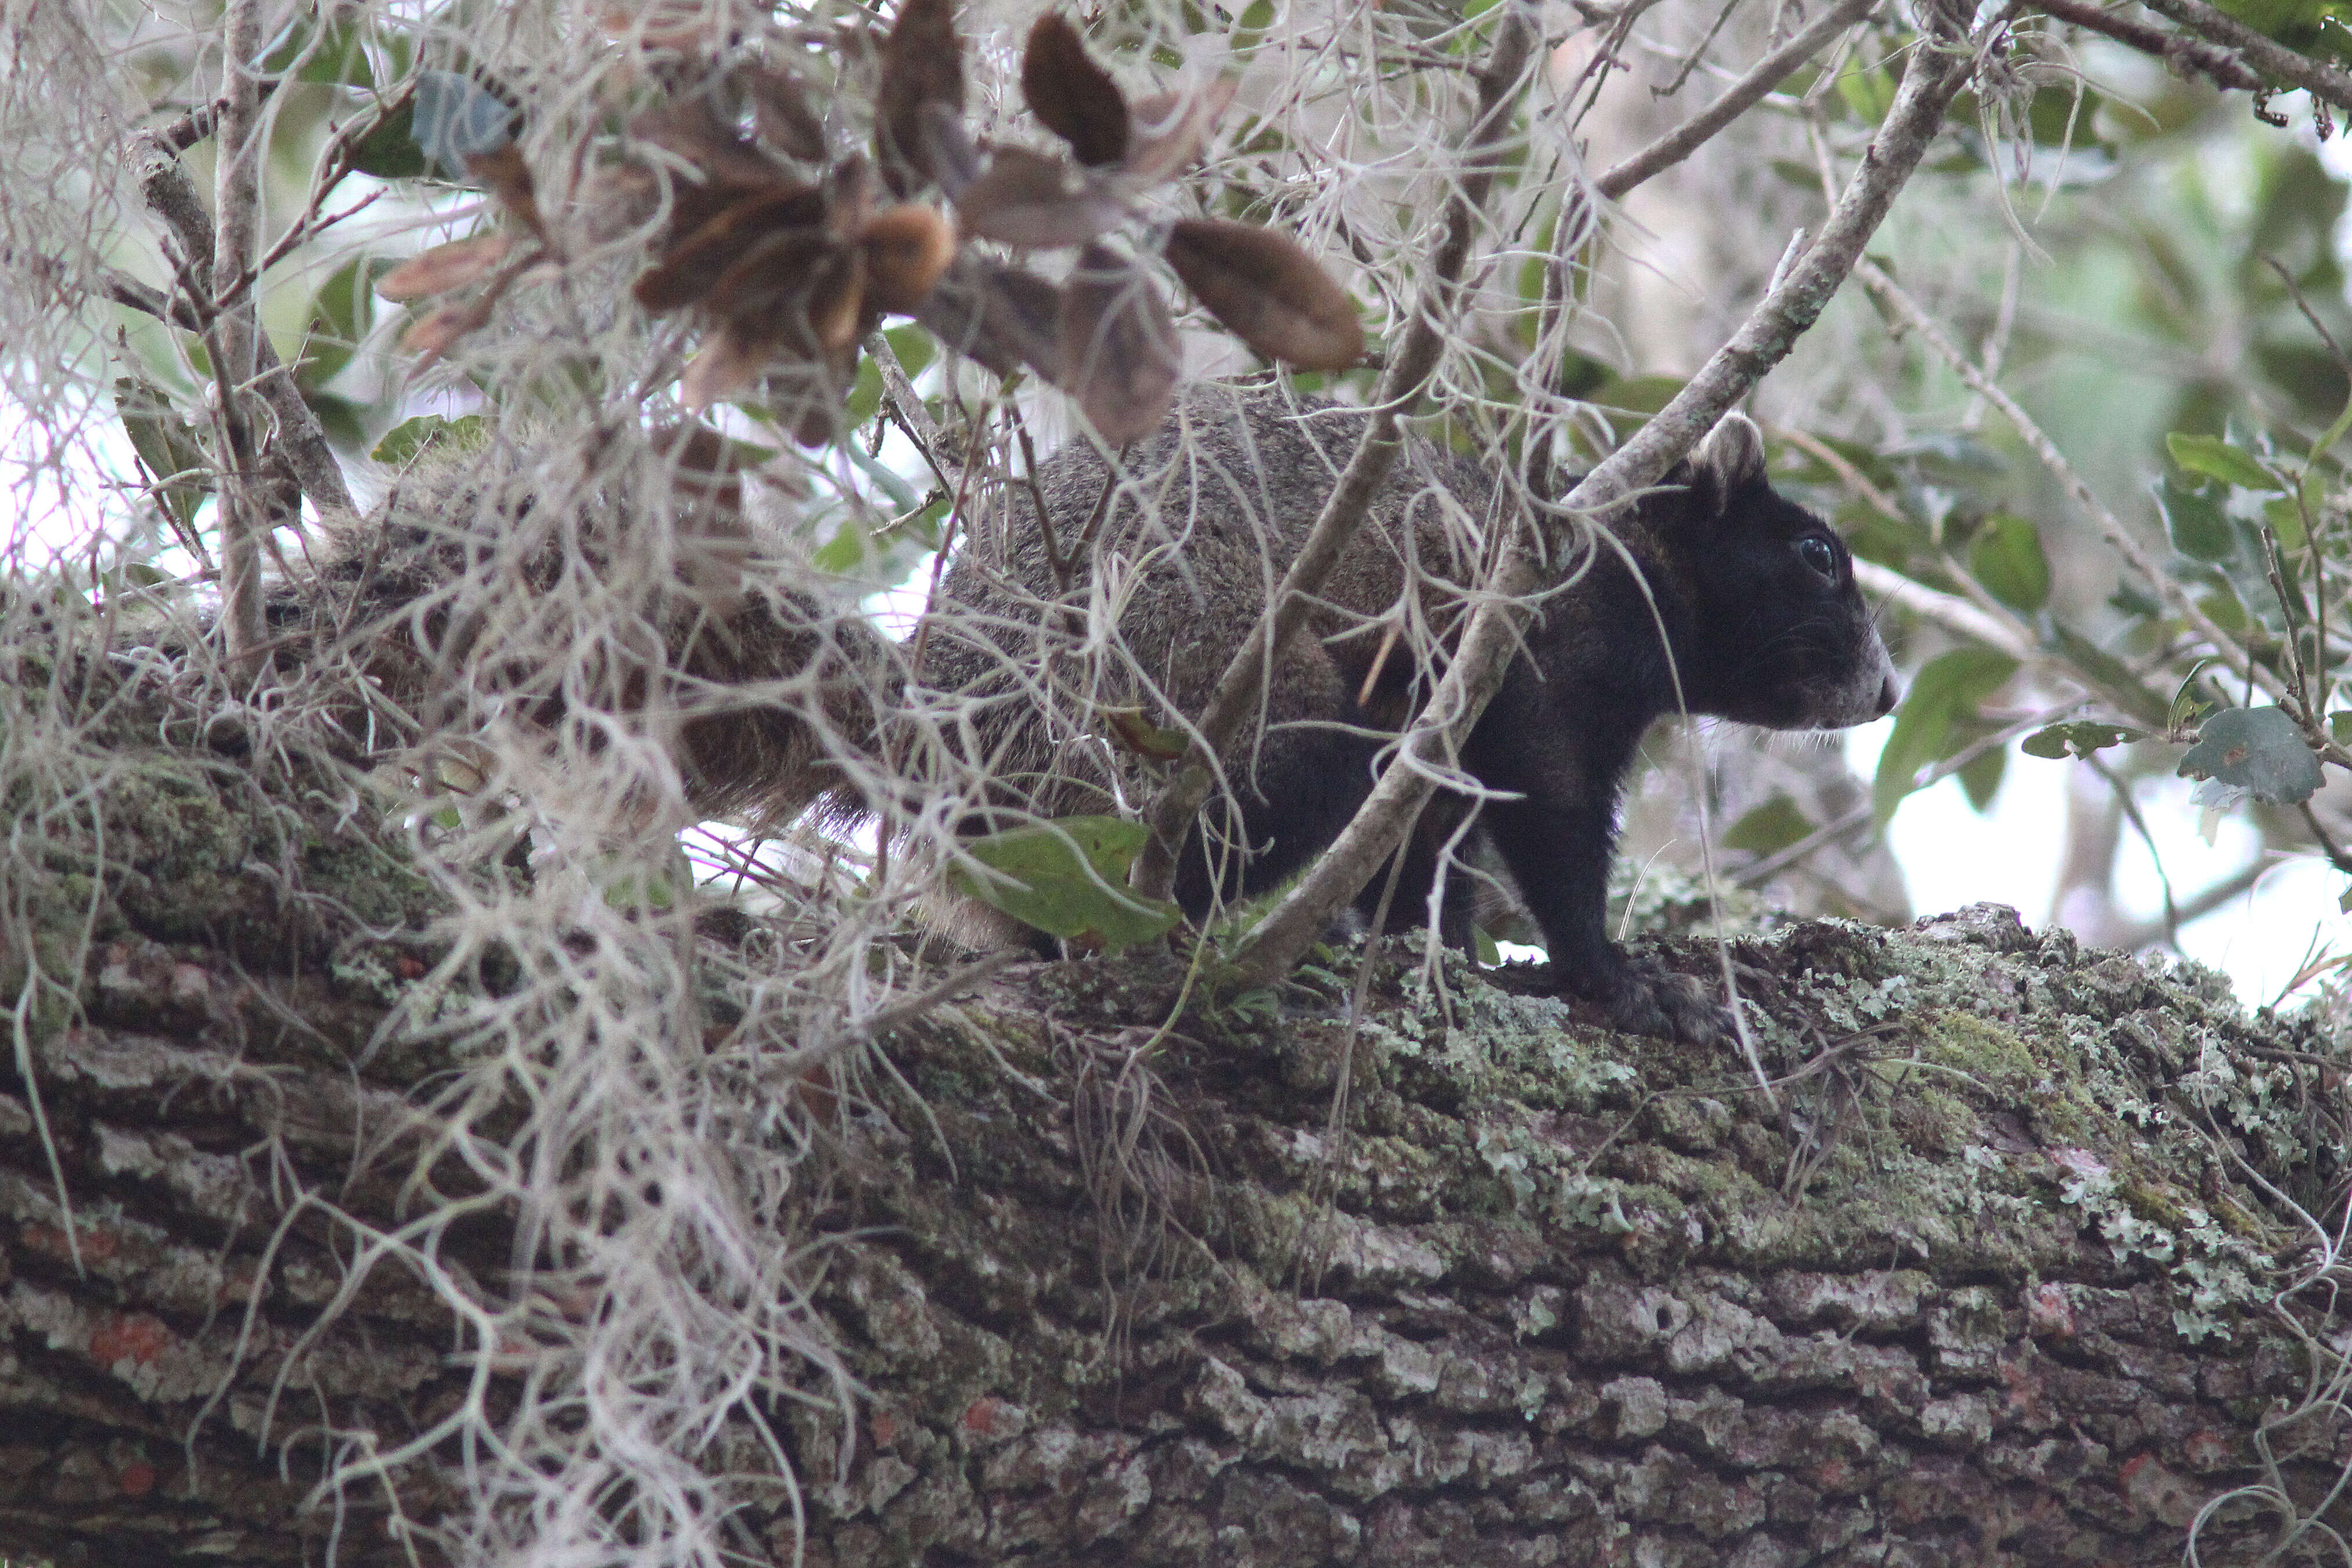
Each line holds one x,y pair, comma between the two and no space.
621,599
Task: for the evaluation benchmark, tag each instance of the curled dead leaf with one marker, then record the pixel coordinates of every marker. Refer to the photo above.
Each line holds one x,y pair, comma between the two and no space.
1118,346
445,266
996,314
1031,199
727,363
1071,95
907,248
922,67
508,179
1268,291
430,336
1170,128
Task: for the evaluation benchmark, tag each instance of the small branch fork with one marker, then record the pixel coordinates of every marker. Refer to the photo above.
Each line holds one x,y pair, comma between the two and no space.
1938,66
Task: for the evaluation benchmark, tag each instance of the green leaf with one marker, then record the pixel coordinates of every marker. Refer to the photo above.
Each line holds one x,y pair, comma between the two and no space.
340,317
2198,529
845,551
1981,780
2218,459
1490,956
2079,739
169,448
1868,90
2258,750
1945,693
2340,727
1069,879
391,151
1769,829
2005,556
410,438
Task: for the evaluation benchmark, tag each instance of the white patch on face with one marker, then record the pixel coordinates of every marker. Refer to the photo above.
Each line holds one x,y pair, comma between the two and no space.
1863,696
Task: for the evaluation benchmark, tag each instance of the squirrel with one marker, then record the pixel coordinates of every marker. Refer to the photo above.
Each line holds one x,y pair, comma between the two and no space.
1132,587
1755,595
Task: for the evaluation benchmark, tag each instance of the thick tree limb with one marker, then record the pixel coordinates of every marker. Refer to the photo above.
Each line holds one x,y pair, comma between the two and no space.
1243,682
1938,66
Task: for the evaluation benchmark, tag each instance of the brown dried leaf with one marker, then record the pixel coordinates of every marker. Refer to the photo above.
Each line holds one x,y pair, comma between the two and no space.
1118,345
922,66
1071,96
1271,293
727,363
706,467
998,315
955,161
445,266
1029,199
688,271
1171,128
782,115
906,248
691,127
430,335
508,179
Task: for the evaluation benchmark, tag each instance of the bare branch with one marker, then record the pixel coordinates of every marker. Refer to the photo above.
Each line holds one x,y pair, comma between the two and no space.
164,181
235,326
2274,60
1244,681
1764,76
1940,65
2186,57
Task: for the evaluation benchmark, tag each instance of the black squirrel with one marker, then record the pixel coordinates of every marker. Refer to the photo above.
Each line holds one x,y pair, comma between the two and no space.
1756,596
1132,590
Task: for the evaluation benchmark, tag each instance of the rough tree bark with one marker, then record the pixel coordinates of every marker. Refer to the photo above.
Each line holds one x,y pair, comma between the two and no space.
1991,1284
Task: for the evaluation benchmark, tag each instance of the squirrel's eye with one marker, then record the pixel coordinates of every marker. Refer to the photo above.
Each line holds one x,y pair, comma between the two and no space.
1820,554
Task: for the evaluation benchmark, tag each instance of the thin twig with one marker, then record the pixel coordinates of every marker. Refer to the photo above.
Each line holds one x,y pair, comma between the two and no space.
1762,77
1242,684
1939,65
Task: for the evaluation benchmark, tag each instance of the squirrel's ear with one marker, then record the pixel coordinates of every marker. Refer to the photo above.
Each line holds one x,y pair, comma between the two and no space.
1731,458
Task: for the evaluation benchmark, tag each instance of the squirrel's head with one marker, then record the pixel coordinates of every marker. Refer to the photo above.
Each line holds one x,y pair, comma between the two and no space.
1785,637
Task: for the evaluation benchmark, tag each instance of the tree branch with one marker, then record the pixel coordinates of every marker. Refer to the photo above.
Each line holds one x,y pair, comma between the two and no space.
2185,56
1762,78
2275,60
1940,65
1244,681
241,143
169,193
